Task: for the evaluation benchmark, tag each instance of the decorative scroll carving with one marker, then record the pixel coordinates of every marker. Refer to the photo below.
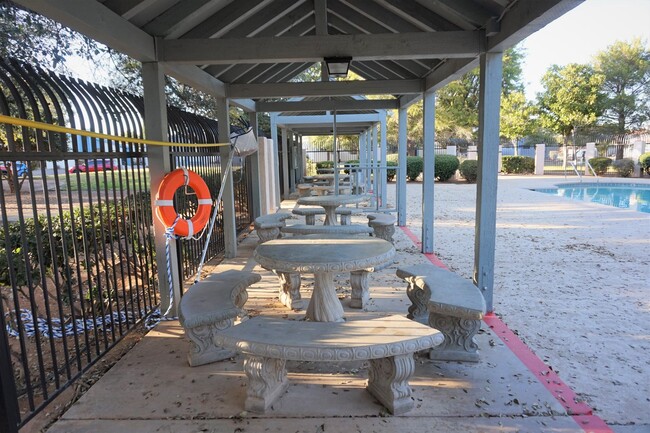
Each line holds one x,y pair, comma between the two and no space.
289,292
459,343
267,234
267,380
419,301
360,291
388,382
203,349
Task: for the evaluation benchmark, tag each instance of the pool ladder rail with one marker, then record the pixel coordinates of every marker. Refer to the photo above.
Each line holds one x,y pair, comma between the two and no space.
574,165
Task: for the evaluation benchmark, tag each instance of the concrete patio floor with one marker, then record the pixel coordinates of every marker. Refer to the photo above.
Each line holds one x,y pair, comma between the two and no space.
152,388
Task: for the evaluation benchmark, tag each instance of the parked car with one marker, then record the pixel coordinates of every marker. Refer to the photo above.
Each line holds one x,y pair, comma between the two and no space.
20,169
92,165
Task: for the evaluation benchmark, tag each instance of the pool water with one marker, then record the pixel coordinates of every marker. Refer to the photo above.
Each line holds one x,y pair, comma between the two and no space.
622,195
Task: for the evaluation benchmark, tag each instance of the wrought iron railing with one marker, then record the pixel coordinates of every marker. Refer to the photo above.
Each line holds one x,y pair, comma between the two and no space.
77,259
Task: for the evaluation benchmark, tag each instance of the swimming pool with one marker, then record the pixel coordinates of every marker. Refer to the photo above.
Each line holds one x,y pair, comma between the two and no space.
622,195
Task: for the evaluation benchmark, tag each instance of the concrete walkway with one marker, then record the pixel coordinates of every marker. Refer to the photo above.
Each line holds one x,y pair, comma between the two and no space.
152,389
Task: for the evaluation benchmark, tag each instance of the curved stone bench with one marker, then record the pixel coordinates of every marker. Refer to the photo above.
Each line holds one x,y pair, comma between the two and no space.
454,305
210,306
305,229
268,226
388,343
310,214
383,225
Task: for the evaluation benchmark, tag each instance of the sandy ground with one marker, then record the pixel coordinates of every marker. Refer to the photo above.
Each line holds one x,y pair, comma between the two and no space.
571,278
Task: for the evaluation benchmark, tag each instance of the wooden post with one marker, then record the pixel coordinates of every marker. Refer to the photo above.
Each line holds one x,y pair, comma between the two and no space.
401,172
428,172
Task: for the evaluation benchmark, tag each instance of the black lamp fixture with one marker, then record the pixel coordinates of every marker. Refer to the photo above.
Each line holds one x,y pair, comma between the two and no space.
338,66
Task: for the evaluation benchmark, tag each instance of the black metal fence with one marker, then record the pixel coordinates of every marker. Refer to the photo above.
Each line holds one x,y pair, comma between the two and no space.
77,257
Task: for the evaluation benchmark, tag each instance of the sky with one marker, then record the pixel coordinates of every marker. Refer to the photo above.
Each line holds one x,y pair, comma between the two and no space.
578,35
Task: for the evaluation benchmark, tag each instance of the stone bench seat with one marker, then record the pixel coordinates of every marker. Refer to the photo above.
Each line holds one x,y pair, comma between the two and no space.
268,226
387,342
454,305
383,225
322,189
304,189
210,306
306,229
310,214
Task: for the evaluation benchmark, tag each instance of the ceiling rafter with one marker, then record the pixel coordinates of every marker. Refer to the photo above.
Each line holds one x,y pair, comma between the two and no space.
377,13
226,19
464,13
326,88
418,15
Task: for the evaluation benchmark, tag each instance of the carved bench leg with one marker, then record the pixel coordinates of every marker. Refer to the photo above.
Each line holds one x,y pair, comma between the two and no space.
289,293
268,234
459,344
267,380
203,350
360,292
384,232
346,220
388,382
419,301
310,220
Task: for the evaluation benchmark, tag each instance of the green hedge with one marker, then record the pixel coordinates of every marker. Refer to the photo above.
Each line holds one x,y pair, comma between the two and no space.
600,164
446,166
390,174
644,161
414,166
469,170
518,165
624,167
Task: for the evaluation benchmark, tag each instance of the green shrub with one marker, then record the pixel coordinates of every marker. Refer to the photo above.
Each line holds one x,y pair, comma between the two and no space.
390,173
600,164
414,166
446,166
624,167
392,157
469,170
324,164
644,161
518,164
350,163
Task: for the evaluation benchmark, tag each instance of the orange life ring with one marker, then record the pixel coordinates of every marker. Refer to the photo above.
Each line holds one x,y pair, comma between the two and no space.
182,177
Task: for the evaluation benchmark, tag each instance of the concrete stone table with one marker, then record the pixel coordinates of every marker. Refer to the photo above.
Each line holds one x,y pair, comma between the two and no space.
330,203
324,257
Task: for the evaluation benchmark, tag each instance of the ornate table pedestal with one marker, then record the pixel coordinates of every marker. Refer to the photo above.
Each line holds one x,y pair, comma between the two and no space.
324,257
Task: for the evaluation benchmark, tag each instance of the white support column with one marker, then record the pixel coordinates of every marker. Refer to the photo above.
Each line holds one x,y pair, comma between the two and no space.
155,124
428,173
369,156
362,158
255,172
540,156
285,164
293,163
382,161
402,142
228,198
276,159
491,72
375,162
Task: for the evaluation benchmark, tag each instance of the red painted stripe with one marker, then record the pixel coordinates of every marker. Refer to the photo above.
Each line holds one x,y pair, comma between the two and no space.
581,412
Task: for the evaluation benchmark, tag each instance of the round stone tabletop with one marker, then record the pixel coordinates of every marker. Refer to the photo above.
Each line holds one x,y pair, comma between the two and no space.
331,200
323,254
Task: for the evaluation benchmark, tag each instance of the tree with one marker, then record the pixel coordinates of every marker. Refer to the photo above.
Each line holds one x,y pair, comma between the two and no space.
516,118
625,67
571,99
33,38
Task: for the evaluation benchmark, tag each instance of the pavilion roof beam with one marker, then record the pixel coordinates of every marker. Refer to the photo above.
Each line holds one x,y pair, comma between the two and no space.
327,105
378,14
418,15
331,88
127,9
181,17
313,48
525,18
328,119
99,23
226,19
464,13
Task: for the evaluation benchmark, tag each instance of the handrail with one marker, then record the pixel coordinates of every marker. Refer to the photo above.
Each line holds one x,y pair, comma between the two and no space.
592,170
574,164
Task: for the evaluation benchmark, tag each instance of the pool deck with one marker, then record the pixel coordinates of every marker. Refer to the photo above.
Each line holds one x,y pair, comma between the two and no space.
571,282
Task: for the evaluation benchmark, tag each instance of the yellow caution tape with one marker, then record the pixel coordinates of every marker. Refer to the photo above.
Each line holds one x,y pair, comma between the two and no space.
55,128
